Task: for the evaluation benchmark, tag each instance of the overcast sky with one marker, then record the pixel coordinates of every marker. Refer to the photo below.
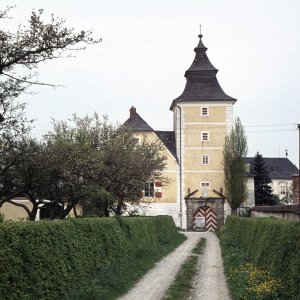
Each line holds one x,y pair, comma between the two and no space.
148,45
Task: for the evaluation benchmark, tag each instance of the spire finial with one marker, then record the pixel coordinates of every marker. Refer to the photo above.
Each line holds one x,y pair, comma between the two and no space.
200,35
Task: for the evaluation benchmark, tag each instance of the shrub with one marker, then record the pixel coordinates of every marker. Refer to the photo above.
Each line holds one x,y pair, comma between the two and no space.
270,243
47,259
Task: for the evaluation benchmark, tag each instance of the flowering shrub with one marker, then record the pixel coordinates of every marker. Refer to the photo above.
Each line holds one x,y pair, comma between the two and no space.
262,257
255,282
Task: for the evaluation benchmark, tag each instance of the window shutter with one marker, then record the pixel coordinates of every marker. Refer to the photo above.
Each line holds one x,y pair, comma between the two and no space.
157,185
157,194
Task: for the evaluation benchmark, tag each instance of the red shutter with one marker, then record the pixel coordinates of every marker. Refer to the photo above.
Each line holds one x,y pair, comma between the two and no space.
157,189
158,195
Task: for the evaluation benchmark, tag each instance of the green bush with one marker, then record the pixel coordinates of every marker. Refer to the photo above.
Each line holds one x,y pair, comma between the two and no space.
271,243
47,259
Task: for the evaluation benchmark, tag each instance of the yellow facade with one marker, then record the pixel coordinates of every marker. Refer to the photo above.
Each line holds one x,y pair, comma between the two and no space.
15,213
170,187
202,159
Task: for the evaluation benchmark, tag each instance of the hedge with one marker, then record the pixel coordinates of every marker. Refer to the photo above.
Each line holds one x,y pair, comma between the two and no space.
46,259
272,243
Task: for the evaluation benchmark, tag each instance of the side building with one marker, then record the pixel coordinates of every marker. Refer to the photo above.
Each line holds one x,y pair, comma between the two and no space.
202,117
281,171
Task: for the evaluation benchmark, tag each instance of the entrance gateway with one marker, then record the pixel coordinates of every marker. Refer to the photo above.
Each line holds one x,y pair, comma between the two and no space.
204,214
205,219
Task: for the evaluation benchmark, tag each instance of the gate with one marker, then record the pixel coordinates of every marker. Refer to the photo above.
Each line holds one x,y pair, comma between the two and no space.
205,219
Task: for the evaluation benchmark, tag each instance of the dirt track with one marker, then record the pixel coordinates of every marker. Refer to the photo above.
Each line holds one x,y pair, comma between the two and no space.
209,283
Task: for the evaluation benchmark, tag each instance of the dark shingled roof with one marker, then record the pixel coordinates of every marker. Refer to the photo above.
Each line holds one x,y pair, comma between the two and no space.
168,138
201,80
136,122
278,167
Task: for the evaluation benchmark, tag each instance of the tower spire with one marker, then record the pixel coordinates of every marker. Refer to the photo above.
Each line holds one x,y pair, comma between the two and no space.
201,80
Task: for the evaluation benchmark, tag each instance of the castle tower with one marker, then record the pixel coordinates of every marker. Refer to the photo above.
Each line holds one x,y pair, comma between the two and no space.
202,118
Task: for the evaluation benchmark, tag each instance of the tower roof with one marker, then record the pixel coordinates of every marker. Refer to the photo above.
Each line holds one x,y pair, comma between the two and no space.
201,80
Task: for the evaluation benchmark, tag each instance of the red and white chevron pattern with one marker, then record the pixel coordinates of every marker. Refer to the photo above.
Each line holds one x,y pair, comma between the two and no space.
210,218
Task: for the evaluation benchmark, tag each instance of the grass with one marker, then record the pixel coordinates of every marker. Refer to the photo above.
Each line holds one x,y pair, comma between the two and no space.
245,279
182,285
114,280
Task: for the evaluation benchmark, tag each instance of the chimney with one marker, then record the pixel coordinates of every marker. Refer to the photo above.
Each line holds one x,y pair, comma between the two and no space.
132,111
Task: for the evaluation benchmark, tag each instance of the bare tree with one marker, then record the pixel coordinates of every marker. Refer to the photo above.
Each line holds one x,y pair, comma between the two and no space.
22,51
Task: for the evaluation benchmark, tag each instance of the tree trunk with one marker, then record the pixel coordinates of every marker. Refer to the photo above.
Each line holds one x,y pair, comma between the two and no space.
75,212
119,209
66,211
33,213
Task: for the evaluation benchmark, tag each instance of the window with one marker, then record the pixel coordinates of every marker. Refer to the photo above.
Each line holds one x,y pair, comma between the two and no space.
153,189
149,189
282,190
204,160
204,111
137,140
205,184
204,136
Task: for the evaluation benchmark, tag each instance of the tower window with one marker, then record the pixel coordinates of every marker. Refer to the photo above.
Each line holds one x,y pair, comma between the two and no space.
204,160
204,111
204,136
205,184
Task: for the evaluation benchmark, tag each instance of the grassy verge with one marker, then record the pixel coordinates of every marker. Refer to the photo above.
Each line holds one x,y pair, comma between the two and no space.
114,280
245,279
182,285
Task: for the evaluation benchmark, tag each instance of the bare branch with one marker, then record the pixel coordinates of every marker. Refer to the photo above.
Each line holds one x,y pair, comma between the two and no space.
32,82
3,13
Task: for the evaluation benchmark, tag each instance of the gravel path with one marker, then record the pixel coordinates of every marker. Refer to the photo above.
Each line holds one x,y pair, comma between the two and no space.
154,284
209,283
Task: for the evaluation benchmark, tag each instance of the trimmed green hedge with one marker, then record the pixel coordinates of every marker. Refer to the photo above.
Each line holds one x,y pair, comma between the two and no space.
46,259
273,243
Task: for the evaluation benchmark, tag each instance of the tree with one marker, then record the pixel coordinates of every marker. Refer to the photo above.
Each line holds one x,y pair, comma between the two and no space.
235,150
56,172
26,176
75,160
102,166
262,181
128,166
40,42
21,53
87,162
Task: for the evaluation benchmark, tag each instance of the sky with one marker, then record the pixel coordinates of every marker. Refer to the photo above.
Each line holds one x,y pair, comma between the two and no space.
148,45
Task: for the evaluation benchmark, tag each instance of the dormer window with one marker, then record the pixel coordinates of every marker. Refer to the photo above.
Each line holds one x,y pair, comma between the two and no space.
204,111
